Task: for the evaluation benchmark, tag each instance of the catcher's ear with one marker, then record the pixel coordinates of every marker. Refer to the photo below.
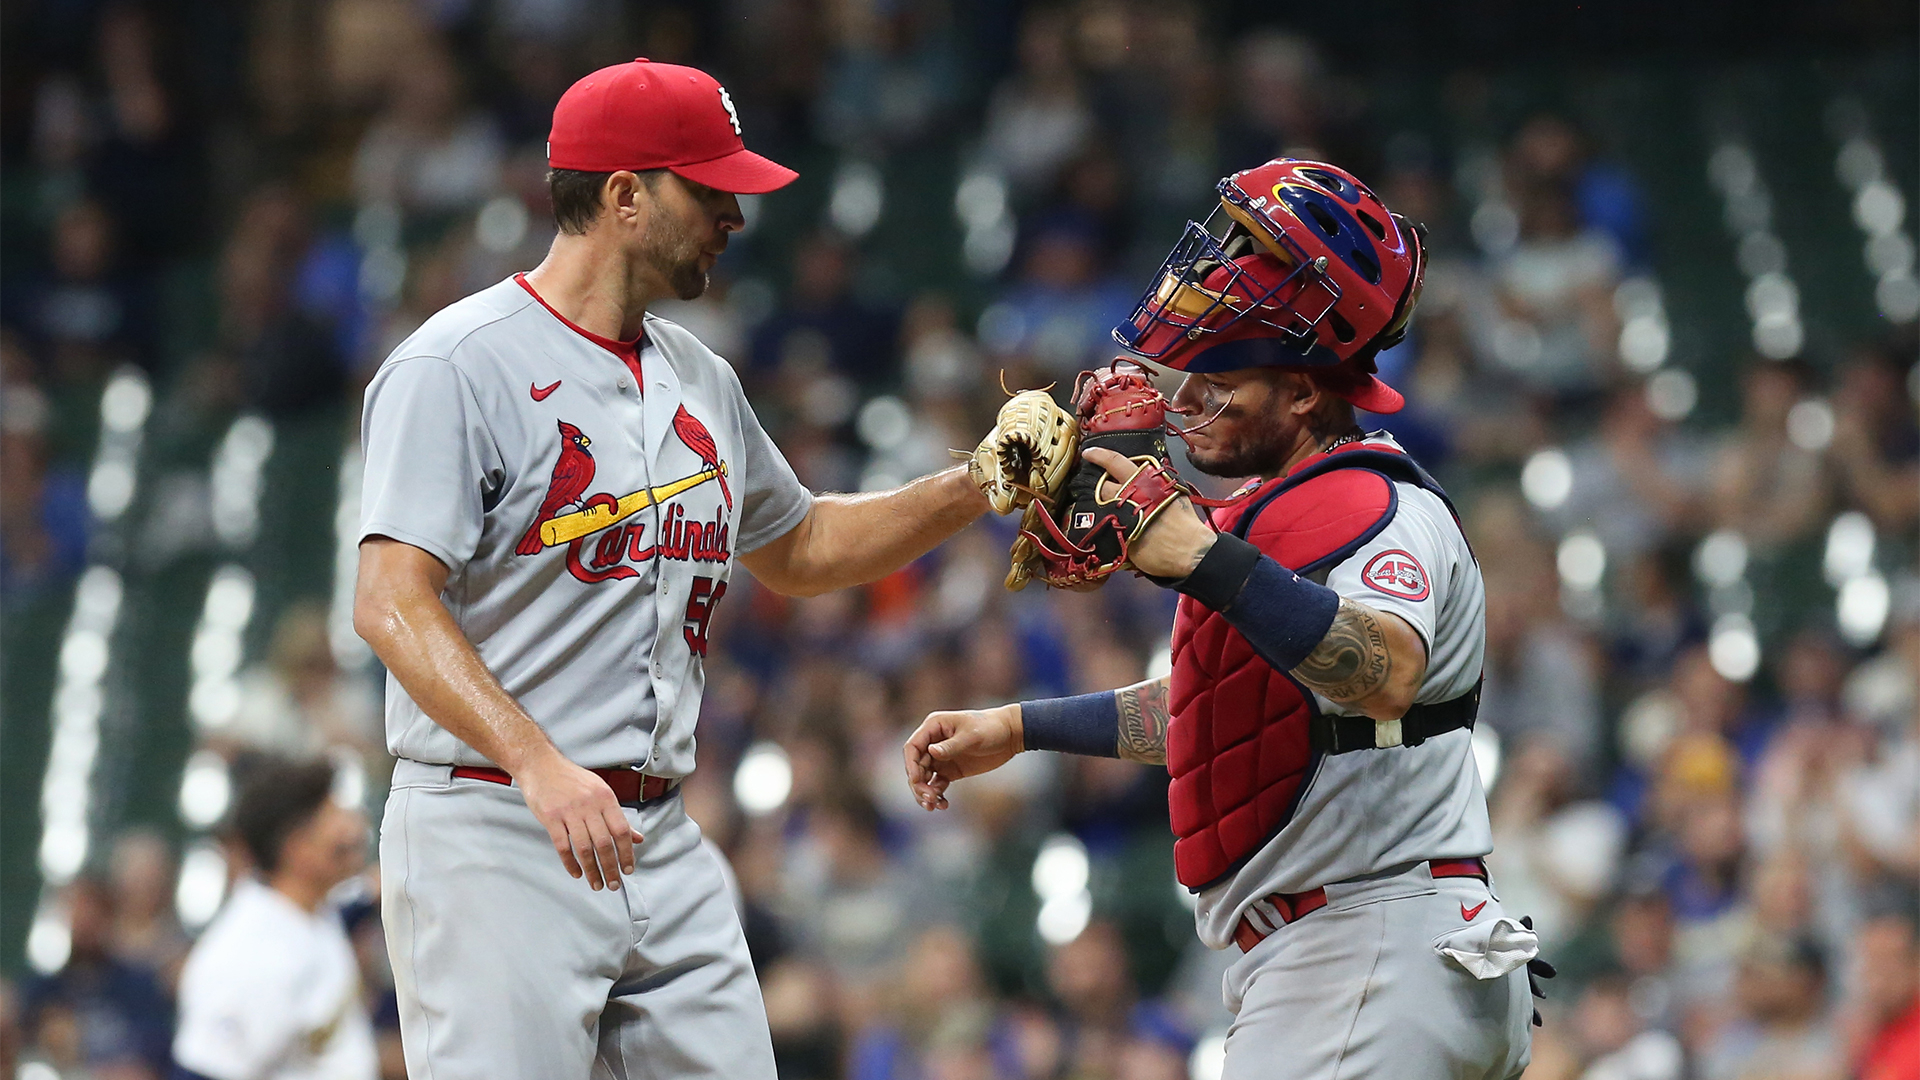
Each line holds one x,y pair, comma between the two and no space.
1305,392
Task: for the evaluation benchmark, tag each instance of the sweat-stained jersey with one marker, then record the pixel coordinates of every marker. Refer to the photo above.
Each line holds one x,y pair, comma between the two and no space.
589,522
1369,810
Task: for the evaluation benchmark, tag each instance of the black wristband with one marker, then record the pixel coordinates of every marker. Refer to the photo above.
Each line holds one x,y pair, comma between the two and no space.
1222,572
1088,724
1281,614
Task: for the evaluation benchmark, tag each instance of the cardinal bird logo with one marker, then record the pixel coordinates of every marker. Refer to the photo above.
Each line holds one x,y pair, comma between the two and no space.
571,475
700,441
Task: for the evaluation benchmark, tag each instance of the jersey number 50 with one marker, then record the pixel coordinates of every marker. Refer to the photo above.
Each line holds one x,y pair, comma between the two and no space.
706,596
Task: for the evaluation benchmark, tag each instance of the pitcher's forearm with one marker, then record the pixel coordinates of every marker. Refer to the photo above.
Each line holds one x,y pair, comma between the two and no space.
866,537
848,540
418,641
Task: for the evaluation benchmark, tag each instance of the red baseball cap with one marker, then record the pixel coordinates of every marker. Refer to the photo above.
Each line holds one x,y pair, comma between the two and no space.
644,115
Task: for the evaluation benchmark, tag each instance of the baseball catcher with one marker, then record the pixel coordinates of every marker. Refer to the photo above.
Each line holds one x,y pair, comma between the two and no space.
1327,647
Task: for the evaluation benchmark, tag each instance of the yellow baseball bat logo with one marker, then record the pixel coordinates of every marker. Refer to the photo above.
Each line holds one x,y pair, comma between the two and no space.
569,527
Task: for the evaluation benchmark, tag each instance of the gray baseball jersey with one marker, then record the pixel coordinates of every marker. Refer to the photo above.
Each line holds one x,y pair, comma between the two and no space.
588,503
1400,974
1364,812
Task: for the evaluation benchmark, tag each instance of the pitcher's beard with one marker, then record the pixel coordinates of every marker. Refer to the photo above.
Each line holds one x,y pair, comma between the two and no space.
675,256
688,280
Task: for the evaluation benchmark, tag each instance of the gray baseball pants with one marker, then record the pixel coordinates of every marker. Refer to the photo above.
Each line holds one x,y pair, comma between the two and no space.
1358,990
507,967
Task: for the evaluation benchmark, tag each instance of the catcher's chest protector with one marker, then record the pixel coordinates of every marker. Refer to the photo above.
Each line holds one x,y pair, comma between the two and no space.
1237,745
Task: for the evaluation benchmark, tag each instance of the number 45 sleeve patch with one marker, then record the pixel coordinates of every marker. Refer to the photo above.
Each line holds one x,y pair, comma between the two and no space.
1397,573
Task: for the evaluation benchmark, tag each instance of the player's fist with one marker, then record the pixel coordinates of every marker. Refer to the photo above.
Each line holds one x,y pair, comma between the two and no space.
582,817
950,745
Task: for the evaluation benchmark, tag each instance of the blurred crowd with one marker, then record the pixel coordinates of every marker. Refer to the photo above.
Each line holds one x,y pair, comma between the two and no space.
1704,769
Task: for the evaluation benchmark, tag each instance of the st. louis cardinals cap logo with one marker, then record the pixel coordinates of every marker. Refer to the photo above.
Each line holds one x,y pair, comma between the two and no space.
1396,573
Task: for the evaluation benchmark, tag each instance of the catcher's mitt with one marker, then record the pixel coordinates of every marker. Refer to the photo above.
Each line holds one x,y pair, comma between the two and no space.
1082,537
1032,447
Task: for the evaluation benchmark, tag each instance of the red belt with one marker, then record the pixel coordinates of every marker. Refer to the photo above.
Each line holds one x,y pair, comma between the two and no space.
629,786
1290,906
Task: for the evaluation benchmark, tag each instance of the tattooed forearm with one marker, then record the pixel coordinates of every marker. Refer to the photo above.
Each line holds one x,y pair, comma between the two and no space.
1143,722
1352,661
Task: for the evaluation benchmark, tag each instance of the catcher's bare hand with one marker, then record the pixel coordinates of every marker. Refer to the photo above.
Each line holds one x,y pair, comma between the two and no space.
582,817
950,745
1175,542
1031,448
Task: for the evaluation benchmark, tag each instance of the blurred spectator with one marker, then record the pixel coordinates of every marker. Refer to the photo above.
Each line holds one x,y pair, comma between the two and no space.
1057,317
1876,440
1781,1031
90,316
1880,795
893,74
1541,683
803,1015
1551,321
299,702
1282,92
150,152
1630,938
1884,1007
43,507
1107,1028
1703,881
99,1012
1636,480
428,151
1607,196
145,930
272,988
1613,1038
938,1013
1653,618
848,902
824,331
1557,856
1038,117
1771,489
288,356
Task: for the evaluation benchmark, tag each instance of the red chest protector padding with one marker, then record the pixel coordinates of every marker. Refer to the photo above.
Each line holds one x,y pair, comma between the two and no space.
1237,746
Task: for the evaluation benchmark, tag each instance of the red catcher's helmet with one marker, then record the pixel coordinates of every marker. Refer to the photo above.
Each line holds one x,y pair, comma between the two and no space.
1301,266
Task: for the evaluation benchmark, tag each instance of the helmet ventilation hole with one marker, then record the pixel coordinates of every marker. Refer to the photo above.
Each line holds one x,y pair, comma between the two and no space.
1328,226
1368,267
1324,179
1373,225
1342,329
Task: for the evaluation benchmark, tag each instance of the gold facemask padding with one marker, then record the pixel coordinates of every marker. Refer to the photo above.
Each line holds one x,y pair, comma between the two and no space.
1258,230
1188,301
1192,301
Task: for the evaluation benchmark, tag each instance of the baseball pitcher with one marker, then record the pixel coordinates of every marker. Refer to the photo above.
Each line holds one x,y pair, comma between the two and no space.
1327,647
558,488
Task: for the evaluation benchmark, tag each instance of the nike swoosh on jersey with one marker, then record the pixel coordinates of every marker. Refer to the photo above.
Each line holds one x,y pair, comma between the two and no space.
540,392
1468,913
